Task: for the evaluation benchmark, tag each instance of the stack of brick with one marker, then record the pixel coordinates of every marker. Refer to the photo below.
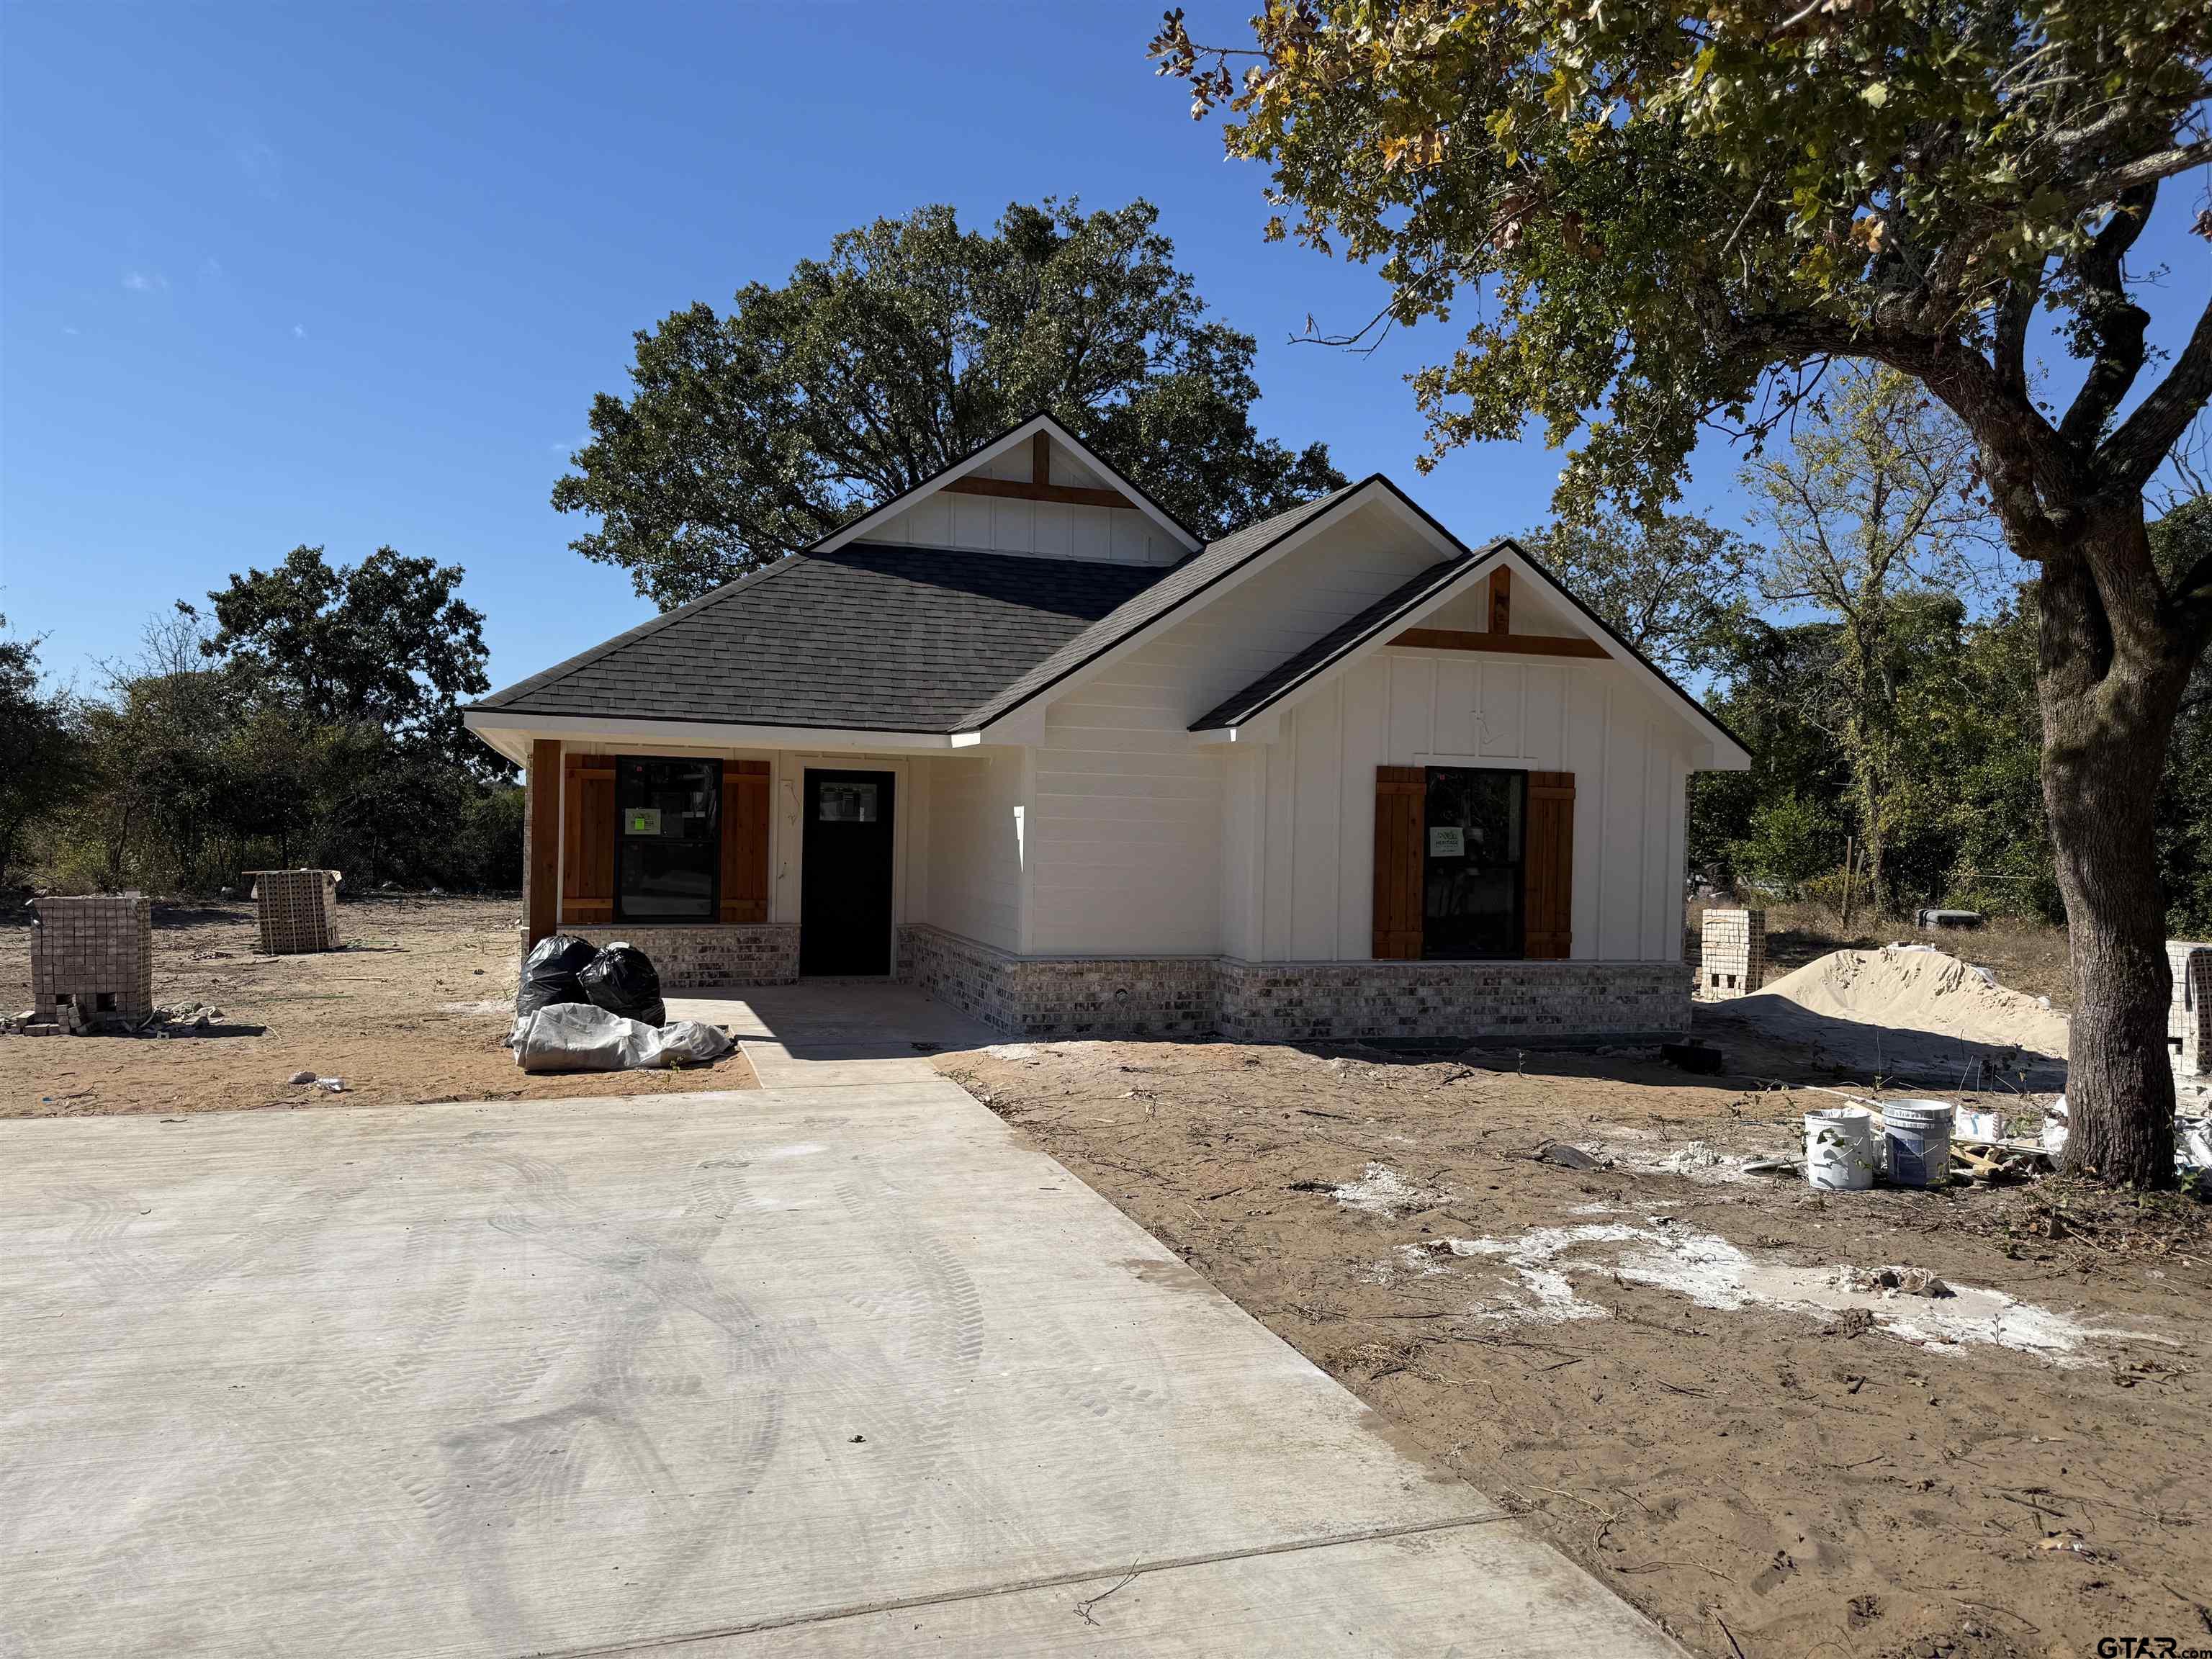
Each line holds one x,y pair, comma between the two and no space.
1732,954
92,960
2189,1015
298,910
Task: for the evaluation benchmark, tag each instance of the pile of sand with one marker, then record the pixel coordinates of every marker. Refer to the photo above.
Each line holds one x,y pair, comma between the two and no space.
1908,1011
1924,991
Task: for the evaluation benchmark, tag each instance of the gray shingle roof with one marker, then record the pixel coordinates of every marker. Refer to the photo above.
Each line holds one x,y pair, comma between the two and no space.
1347,635
891,639
1194,576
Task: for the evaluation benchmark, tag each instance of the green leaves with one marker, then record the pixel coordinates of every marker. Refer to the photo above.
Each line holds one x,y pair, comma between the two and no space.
387,643
1718,196
749,435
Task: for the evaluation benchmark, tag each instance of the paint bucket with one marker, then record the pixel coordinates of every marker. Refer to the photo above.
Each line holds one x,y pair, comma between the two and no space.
1840,1149
1917,1135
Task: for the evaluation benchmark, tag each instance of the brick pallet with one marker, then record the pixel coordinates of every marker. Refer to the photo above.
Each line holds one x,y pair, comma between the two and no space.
297,910
2189,1015
92,958
1732,954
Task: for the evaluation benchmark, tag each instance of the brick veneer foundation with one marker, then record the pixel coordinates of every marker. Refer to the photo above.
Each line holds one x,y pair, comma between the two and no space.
708,957
1274,1002
1062,996
95,953
1731,955
2189,1015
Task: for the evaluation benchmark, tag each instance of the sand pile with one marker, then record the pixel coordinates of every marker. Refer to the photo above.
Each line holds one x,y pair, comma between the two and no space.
1925,991
1907,1011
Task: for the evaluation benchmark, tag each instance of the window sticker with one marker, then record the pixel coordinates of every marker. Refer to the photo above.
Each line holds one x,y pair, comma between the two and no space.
848,802
1447,841
642,821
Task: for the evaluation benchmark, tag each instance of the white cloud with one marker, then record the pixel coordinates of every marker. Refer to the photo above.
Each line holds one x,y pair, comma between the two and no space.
299,330
211,270
144,282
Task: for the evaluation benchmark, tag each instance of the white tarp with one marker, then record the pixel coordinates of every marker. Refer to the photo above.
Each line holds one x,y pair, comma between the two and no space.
575,1036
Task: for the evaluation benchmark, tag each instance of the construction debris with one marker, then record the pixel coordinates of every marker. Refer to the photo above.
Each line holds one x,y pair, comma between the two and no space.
1566,1157
575,1036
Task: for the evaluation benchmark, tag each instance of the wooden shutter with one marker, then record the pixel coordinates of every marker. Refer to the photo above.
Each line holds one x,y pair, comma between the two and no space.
542,870
587,840
1400,811
744,840
1548,865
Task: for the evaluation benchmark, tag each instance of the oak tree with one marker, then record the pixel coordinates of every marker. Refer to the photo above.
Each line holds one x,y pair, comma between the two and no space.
749,435
1661,216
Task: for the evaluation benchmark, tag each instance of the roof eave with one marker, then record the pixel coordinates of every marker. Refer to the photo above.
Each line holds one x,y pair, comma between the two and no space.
511,732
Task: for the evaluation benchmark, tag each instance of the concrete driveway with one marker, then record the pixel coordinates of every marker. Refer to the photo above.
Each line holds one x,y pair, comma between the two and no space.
835,1367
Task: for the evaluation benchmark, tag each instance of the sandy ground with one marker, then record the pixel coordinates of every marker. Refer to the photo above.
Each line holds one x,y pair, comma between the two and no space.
412,1009
1650,1358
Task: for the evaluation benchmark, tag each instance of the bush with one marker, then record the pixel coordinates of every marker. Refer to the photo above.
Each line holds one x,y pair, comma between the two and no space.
1791,841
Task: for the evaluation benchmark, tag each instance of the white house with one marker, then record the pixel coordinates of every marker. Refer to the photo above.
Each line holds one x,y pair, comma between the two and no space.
1021,738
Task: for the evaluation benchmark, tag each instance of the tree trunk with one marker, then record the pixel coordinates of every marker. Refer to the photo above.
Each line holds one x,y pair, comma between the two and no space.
2108,700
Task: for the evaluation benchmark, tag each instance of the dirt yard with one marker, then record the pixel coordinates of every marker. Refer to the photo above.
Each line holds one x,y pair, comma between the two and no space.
414,1008
1663,1361
1653,1357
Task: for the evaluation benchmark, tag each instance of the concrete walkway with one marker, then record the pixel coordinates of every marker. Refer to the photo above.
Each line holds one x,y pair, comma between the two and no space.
836,1367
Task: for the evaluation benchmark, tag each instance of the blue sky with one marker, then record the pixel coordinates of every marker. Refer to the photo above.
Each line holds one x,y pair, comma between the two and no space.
349,274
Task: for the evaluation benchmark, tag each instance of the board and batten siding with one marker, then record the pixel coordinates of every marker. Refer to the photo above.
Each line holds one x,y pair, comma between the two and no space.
1300,819
1052,529
974,856
1131,849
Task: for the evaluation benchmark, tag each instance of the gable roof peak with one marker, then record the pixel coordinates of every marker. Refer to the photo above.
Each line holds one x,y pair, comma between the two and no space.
1044,421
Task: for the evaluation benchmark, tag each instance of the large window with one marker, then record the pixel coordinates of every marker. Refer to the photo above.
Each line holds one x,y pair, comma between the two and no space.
667,839
1472,875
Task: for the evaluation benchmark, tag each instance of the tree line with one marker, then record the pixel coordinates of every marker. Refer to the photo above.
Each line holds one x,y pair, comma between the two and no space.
306,715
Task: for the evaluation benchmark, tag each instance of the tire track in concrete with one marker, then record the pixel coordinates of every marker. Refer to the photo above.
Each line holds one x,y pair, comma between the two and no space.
661,1266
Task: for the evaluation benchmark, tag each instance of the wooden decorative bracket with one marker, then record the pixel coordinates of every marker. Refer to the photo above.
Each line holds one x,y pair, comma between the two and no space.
1511,645
1040,486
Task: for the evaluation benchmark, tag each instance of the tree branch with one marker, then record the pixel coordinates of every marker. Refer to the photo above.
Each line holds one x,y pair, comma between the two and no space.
2015,312
2135,451
2148,170
2116,320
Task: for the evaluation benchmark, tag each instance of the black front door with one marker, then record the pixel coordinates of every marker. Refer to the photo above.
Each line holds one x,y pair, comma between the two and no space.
845,893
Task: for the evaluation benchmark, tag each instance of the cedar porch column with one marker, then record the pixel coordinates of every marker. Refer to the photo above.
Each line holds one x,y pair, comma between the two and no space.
541,875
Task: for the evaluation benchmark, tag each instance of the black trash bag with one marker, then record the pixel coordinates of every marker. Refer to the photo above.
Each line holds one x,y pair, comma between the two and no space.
549,975
622,979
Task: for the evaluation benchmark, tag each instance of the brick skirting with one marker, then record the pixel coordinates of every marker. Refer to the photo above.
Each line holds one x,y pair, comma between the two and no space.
1293,1001
706,956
